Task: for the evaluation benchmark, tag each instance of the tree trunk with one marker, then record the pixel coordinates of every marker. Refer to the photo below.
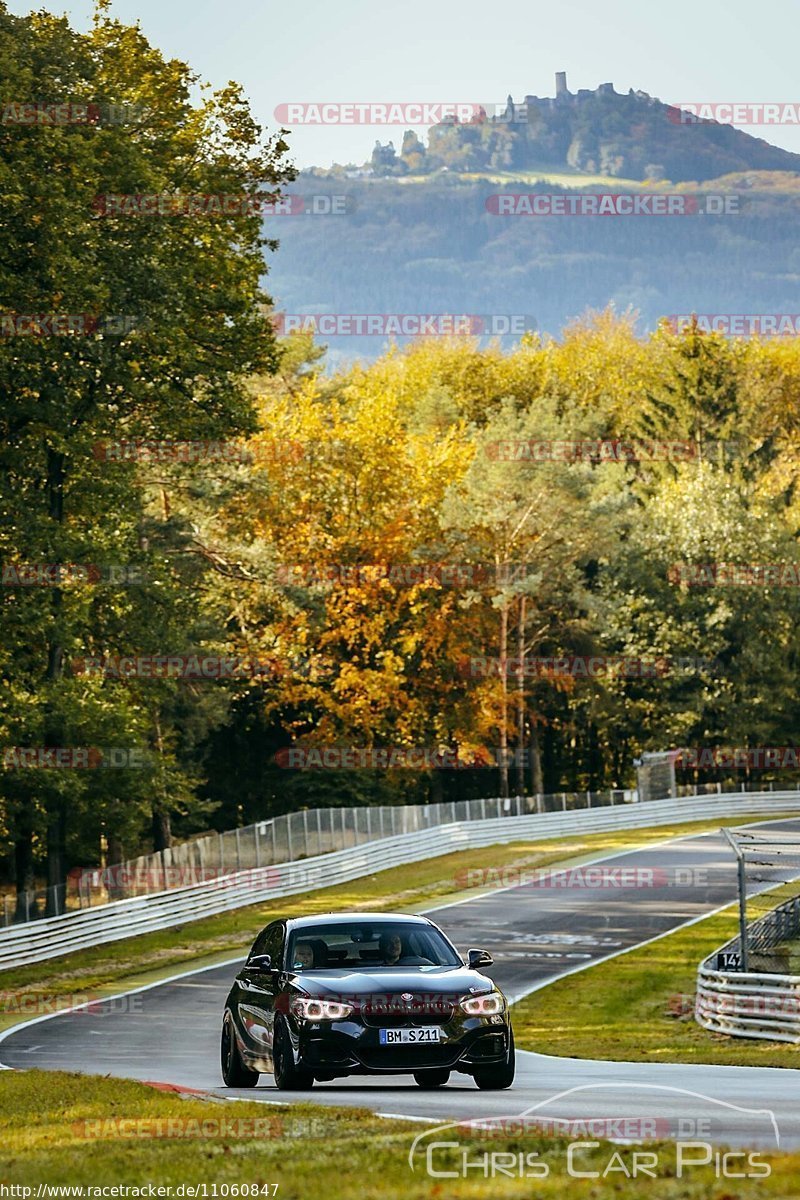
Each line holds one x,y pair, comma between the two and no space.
23,869
537,781
53,734
504,701
56,856
162,832
520,772
114,857
436,794
595,758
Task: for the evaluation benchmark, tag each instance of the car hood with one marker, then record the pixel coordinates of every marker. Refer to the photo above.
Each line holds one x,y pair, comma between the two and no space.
427,981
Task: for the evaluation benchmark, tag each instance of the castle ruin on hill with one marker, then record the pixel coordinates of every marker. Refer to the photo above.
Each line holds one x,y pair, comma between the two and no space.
563,97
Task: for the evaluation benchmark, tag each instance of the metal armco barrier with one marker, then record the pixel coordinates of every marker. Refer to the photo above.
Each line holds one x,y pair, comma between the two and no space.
754,1004
54,936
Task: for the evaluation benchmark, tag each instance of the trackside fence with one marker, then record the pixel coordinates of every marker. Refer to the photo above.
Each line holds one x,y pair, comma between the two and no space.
36,941
286,838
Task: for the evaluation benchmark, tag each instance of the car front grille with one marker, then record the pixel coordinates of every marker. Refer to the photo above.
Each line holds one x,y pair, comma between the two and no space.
393,1012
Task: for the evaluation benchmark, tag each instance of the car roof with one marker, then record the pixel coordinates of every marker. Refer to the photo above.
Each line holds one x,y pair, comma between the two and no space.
338,918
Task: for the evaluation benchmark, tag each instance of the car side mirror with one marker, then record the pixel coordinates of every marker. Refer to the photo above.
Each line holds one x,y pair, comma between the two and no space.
259,962
479,958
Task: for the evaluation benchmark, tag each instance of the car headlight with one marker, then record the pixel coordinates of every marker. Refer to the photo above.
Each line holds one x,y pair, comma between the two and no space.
483,1006
309,1009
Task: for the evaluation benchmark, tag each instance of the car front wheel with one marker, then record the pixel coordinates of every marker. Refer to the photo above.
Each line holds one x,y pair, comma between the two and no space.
287,1076
496,1077
234,1072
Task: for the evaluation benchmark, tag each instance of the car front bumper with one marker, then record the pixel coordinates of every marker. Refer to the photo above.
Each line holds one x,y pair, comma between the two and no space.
347,1047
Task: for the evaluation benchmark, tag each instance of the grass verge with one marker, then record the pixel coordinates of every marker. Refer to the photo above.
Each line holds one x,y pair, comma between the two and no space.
102,970
93,1132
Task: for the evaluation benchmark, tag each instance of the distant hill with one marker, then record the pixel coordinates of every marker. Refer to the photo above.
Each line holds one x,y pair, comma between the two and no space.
631,135
430,245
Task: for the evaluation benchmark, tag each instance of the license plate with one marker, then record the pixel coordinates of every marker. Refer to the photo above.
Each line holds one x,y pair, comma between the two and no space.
391,1037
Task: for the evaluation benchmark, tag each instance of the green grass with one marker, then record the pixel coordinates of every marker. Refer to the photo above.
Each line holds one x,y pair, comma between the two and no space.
132,962
638,1007
307,1150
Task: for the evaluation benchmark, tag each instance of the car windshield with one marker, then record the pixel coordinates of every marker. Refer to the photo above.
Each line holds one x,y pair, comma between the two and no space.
365,945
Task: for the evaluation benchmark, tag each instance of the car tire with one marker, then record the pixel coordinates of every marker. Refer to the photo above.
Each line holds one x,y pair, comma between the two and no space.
432,1079
234,1072
288,1077
495,1078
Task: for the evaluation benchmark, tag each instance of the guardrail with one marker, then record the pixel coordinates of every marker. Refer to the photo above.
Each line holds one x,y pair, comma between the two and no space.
54,936
754,1004
285,838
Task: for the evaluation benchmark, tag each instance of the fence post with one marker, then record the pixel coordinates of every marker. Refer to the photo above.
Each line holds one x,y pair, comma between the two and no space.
257,844
319,831
369,824
742,898
238,851
305,830
5,909
221,848
588,799
564,801
483,809
290,848
380,810
164,868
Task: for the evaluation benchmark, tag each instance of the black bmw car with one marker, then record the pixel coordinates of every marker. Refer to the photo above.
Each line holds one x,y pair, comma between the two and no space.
323,997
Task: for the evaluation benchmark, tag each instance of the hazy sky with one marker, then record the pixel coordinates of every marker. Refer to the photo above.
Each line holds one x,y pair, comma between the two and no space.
469,50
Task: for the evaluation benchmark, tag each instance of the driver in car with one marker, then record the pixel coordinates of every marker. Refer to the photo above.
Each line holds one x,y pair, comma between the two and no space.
303,956
391,948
